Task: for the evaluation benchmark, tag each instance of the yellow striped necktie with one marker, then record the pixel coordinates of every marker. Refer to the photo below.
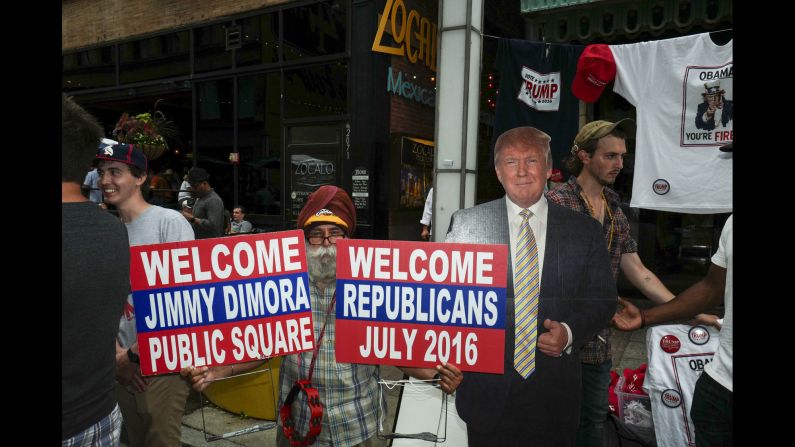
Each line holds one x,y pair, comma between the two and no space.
526,288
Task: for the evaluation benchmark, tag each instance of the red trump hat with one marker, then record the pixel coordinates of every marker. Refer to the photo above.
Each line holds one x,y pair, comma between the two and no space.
595,69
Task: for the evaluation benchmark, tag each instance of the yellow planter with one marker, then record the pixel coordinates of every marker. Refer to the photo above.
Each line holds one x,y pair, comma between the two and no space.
255,395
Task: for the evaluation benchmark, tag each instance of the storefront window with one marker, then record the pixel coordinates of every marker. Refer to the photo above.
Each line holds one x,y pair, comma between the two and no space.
215,135
260,40
89,69
259,144
315,30
209,48
155,57
685,243
316,91
416,171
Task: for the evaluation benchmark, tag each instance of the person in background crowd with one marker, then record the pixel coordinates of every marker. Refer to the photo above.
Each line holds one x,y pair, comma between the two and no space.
348,392
152,406
427,214
185,197
596,159
173,180
560,294
238,224
91,182
160,186
207,214
93,245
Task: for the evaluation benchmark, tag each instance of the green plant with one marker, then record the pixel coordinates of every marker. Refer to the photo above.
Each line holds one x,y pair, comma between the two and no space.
145,128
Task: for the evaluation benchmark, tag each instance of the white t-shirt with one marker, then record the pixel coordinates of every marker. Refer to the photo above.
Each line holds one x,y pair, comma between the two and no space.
184,192
721,369
678,354
427,212
156,225
678,166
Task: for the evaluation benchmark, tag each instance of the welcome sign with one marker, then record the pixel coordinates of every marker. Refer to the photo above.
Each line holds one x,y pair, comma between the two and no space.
220,301
420,304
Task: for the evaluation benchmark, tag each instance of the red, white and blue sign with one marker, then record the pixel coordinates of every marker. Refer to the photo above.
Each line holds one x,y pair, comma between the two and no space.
419,304
220,301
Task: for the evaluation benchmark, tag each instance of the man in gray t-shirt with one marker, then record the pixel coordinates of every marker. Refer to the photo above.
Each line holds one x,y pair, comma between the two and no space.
207,215
152,406
238,223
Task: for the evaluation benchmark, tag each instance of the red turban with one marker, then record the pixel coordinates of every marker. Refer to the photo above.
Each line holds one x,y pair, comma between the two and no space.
328,204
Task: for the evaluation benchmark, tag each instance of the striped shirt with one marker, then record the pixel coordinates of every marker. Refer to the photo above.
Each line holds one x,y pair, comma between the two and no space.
348,392
569,194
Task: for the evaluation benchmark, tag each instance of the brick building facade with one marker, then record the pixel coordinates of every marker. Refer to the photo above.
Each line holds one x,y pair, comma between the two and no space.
93,22
300,98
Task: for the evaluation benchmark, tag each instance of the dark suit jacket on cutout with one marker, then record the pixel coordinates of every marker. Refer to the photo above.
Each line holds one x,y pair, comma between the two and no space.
577,288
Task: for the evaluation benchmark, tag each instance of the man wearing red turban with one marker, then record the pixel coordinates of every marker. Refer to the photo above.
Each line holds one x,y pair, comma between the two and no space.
328,199
348,392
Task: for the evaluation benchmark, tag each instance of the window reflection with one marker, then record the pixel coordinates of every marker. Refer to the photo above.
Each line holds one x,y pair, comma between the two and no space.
259,143
316,90
260,40
155,57
209,48
314,30
89,68
214,135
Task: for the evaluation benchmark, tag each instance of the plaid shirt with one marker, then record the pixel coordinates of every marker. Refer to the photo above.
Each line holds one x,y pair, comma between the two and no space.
105,433
348,392
569,195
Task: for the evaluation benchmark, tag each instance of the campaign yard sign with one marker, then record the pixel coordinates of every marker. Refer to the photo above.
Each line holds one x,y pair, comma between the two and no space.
420,304
220,301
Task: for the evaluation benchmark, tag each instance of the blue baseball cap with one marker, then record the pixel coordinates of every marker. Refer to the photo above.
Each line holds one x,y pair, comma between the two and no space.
123,153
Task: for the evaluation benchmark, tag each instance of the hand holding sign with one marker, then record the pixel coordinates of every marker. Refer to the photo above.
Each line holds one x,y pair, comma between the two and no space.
203,376
446,375
449,377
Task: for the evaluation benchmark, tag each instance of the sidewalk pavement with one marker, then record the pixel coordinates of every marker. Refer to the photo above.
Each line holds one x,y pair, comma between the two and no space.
629,351
216,421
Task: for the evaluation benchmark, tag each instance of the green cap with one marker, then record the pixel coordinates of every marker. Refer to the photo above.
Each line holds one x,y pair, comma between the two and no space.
597,129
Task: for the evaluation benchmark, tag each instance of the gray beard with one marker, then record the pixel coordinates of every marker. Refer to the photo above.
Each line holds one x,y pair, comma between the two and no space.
321,262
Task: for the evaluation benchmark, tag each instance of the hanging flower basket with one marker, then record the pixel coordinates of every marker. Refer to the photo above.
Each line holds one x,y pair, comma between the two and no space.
153,151
146,130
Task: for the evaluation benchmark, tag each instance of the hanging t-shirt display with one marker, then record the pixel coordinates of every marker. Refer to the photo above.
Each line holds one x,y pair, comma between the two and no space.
533,91
682,89
677,354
